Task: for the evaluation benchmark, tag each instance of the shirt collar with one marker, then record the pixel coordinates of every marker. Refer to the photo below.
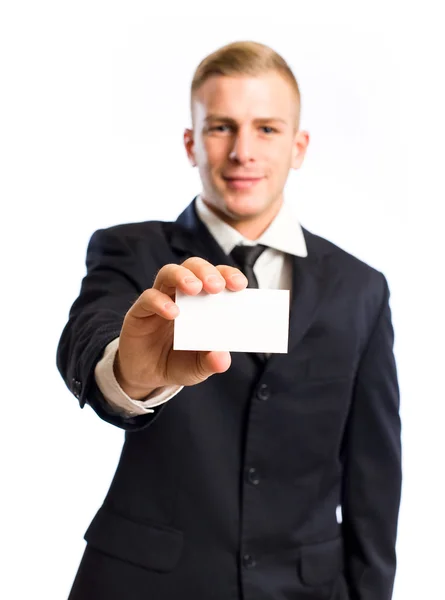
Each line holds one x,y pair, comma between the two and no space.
284,233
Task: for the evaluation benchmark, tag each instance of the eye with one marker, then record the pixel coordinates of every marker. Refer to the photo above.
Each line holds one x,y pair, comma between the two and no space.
269,129
219,128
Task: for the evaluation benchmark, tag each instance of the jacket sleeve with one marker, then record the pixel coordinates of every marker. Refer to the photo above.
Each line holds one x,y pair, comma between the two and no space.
115,395
114,280
372,467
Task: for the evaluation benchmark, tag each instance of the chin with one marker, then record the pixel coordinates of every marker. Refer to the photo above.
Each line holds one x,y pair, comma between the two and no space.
244,205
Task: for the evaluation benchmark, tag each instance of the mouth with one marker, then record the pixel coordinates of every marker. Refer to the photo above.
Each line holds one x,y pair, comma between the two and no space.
242,183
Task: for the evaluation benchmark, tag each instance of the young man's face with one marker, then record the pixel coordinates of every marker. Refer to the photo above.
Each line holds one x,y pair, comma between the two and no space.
244,142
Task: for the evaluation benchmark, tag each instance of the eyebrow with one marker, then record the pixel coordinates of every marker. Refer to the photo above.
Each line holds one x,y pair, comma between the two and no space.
215,117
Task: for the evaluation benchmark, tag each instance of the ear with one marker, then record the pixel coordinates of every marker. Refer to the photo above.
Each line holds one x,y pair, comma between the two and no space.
189,144
301,142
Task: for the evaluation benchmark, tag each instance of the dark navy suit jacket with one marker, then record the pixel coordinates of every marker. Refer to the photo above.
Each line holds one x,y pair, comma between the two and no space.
230,489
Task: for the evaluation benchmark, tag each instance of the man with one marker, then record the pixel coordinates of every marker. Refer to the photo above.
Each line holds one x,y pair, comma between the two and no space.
235,467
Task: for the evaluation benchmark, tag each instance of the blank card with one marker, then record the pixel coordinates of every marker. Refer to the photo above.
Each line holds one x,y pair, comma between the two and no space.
250,320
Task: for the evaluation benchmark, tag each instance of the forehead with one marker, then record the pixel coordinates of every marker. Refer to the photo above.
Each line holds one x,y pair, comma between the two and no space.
241,97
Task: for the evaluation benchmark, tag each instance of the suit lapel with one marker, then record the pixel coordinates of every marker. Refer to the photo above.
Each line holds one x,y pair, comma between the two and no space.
313,280
307,292
311,283
190,237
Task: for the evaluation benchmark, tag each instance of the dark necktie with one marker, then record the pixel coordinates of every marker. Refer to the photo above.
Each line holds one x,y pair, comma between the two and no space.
245,257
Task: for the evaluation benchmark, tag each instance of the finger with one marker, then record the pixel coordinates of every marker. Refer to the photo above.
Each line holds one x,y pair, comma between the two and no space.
153,302
212,280
173,276
235,279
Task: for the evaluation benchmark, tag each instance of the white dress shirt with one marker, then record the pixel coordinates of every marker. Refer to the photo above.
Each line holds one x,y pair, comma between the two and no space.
273,270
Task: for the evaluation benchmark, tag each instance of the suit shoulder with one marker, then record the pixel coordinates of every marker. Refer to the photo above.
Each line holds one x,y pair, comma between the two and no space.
143,234
351,267
136,229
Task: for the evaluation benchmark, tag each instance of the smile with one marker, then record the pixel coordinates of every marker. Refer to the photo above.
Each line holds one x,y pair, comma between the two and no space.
241,183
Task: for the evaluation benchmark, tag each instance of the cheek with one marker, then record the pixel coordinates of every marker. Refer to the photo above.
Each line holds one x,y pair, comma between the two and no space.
211,164
215,151
282,162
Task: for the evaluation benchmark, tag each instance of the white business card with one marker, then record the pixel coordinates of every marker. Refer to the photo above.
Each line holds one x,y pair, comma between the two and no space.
250,320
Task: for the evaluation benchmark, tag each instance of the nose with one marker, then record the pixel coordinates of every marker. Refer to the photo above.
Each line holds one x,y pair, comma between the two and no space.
242,149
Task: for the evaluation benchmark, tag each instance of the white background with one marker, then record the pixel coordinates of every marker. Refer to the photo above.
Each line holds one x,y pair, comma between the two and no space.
93,104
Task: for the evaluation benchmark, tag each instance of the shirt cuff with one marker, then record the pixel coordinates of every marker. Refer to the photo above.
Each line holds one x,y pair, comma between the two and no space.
115,395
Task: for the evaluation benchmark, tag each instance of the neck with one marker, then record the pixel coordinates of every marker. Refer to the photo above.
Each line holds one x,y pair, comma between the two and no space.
251,227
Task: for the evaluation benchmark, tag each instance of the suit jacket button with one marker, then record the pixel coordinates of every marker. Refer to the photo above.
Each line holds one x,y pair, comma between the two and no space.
248,561
77,387
252,476
263,392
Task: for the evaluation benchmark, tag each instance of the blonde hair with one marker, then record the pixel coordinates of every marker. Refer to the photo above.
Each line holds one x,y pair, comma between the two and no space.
244,58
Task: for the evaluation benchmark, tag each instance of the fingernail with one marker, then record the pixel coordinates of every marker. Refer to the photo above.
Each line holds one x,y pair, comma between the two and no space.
238,277
191,280
214,279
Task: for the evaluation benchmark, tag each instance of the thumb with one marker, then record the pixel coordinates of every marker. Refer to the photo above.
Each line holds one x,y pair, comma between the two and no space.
209,363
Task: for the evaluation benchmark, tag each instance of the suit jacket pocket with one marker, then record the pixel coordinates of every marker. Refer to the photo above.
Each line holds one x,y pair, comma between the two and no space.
154,547
321,563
